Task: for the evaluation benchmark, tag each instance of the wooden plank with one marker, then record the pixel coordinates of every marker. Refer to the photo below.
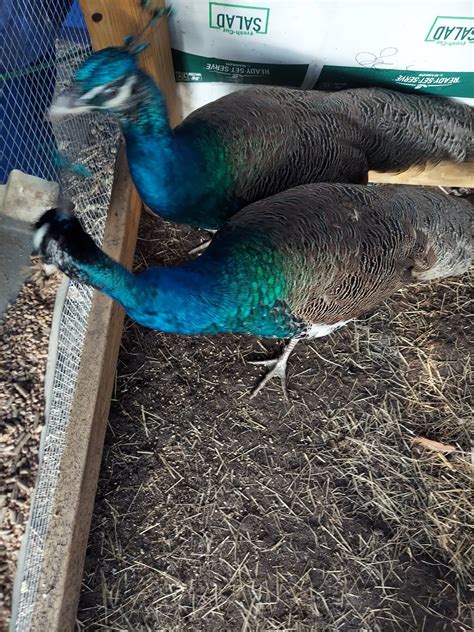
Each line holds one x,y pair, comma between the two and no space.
109,21
73,503
72,507
445,174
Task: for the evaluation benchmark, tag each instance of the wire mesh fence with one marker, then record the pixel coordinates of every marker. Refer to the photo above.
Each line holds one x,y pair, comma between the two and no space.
41,44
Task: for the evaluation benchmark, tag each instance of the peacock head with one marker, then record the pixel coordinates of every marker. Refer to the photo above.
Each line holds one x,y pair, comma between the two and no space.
61,242
108,80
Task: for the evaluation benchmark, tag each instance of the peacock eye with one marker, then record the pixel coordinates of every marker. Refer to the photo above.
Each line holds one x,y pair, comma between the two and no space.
110,92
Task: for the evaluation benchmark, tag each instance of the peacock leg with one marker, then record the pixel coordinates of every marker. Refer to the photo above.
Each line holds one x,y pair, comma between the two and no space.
199,249
277,369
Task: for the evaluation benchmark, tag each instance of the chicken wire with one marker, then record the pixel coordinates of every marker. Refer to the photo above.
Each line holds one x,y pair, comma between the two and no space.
42,42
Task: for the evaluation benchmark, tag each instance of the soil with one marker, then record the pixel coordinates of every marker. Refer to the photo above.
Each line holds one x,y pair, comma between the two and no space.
216,512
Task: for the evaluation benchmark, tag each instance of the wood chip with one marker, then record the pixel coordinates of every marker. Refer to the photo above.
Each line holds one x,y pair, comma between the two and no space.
434,446
20,390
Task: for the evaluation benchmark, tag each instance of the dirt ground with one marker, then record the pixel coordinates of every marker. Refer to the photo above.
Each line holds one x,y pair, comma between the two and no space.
24,336
219,513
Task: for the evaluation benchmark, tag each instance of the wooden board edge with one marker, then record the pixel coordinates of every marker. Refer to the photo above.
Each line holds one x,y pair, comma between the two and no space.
445,174
73,503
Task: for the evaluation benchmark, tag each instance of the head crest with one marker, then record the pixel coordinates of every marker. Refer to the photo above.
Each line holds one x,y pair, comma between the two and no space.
132,43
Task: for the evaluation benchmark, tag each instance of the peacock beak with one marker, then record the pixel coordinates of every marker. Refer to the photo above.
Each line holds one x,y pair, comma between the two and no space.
69,103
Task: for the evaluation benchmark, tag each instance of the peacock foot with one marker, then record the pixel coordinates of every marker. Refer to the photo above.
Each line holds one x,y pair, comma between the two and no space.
200,249
277,369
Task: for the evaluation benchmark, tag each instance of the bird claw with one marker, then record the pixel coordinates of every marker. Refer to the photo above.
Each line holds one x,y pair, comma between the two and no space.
199,249
269,363
278,370
205,244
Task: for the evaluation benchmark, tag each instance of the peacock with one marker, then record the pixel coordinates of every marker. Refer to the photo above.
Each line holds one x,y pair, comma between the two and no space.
299,264
260,141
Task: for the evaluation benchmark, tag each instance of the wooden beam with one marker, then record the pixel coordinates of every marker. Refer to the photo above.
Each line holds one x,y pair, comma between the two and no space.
73,503
445,174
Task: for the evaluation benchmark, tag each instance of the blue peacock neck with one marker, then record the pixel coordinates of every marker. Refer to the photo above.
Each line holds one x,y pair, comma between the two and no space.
173,169
173,300
165,170
226,290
